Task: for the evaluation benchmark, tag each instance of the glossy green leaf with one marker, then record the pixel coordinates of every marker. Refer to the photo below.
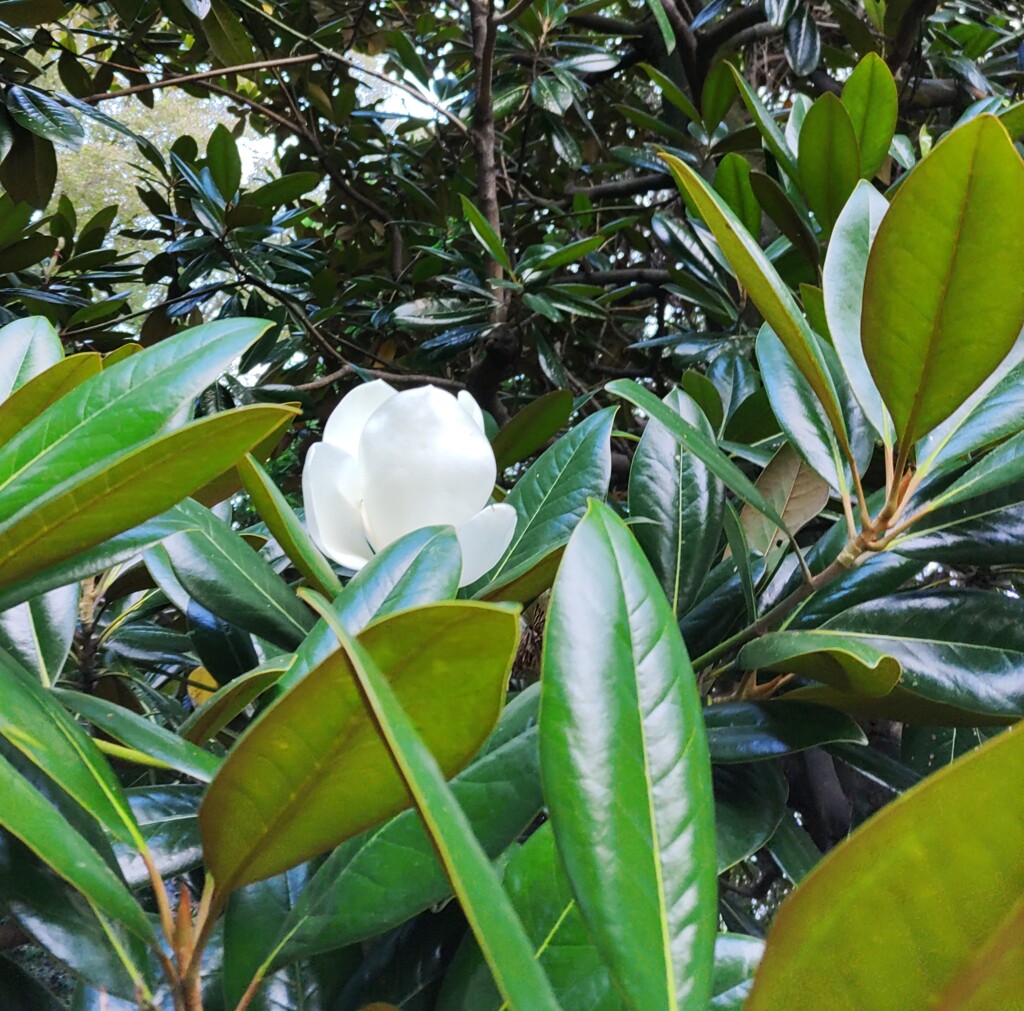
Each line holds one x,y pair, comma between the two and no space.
732,181
670,90
843,284
27,815
833,657
168,819
285,526
485,233
943,266
926,749
251,923
955,842
793,849
333,777
551,94
525,582
35,724
540,894
59,917
962,648
225,651
753,731
28,347
144,735
225,162
124,406
379,880
44,389
38,633
718,95
774,139
625,768
829,159
551,497
683,499
1003,466
870,97
232,699
794,222
739,553
421,568
736,958
876,765
115,551
132,488
983,530
530,429
996,416
44,116
802,41
750,801
695,442
211,556
767,290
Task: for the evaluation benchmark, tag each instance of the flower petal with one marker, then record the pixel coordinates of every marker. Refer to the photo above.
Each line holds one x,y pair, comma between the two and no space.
471,407
333,522
345,425
483,540
423,461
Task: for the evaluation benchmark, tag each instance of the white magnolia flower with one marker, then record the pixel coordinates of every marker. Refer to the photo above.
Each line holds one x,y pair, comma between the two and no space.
393,462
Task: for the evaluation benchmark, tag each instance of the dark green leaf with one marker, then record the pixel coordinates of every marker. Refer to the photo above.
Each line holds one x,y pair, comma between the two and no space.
212,556
750,801
685,501
749,731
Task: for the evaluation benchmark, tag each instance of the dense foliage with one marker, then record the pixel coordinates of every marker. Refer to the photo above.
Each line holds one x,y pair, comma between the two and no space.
737,287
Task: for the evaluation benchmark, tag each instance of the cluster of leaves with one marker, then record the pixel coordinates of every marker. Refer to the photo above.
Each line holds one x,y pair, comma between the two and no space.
782,592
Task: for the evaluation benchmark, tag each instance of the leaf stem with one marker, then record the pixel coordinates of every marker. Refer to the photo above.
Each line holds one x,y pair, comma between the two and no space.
847,560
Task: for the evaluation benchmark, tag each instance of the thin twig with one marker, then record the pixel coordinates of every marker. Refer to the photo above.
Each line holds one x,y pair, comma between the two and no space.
202,75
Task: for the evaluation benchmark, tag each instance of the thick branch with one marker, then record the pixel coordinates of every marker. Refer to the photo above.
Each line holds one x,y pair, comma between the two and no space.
910,27
625,187
482,20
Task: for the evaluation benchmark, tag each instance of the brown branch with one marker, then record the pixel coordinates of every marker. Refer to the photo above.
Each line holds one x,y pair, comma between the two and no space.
391,377
687,44
910,27
717,34
509,15
483,133
624,275
173,82
625,187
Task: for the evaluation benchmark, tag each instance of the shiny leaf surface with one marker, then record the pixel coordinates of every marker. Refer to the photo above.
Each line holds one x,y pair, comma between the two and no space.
624,762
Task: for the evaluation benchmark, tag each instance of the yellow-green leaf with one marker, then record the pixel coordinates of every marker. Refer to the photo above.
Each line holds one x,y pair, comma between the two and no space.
920,908
943,299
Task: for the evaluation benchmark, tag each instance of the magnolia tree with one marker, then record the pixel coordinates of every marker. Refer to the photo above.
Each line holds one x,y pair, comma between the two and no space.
605,609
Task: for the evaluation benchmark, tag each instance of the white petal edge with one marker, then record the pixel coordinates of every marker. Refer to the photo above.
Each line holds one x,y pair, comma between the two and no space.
345,425
333,522
483,540
468,403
